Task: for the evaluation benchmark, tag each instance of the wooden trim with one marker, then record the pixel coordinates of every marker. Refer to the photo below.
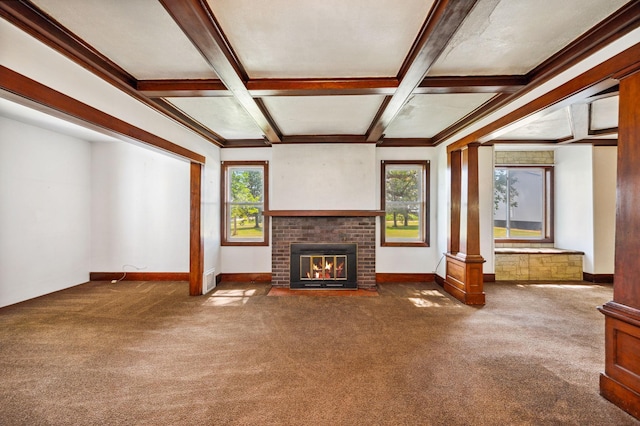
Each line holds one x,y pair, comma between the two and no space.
444,19
489,278
323,213
66,107
439,280
385,277
198,23
246,143
405,142
601,132
264,277
321,87
225,241
597,278
139,276
324,139
472,84
196,241
182,88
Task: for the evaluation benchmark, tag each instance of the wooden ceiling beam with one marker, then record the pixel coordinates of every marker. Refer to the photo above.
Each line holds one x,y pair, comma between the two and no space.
472,84
444,19
182,88
330,87
196,20
322,87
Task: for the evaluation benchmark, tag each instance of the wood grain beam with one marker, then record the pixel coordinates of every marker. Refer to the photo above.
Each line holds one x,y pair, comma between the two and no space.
322,87
196,240
324,139
444,19
196,20
182,88
472,84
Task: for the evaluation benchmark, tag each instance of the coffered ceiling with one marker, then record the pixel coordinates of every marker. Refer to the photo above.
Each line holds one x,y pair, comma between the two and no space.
393,73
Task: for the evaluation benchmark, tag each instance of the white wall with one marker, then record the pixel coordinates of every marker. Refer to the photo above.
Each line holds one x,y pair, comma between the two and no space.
140,209
604,208
574,201
45,199
485,177
417,260
443,206
324,177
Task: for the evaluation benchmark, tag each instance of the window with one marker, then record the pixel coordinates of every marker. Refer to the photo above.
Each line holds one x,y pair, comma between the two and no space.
522,204
405,203
245,196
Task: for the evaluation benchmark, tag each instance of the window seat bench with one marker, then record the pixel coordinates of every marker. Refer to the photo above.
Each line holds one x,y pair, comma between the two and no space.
537,264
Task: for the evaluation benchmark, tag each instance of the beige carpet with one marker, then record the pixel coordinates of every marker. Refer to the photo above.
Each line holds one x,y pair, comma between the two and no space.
147,353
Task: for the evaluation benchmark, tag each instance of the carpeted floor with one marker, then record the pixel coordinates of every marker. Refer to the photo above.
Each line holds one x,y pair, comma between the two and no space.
147,353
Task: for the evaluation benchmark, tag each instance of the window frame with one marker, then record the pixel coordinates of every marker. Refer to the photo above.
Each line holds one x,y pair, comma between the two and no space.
425,200
226,166
548,204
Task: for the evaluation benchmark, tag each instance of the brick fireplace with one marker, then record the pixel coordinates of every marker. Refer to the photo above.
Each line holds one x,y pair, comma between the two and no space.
323,227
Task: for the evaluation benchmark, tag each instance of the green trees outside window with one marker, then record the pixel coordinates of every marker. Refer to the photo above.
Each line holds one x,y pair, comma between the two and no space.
405,203
245,196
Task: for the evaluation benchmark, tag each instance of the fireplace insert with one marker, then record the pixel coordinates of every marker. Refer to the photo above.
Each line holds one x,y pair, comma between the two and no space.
323,266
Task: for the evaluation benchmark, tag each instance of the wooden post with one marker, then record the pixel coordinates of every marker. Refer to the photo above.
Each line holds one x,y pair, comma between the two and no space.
620,382
196,252
464,278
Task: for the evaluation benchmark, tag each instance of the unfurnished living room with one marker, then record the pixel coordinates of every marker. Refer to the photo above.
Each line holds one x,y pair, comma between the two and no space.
302,212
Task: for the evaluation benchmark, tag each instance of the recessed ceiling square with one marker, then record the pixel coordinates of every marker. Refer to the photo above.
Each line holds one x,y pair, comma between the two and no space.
552,126
329,38
323,115
223,115
426,115
604,113
138,35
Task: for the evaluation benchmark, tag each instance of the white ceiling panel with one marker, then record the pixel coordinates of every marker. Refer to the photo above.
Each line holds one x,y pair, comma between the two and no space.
553,126
321,39
604,113
514,36
323,115
426,115
138,35
223,115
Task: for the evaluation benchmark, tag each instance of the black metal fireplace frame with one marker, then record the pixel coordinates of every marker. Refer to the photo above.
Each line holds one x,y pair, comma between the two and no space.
323,249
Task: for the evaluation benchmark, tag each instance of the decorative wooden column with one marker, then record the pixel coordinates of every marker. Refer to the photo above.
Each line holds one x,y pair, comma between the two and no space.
464,278
620,382
196,252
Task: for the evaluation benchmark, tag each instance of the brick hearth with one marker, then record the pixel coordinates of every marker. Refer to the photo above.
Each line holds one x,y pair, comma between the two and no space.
324,230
